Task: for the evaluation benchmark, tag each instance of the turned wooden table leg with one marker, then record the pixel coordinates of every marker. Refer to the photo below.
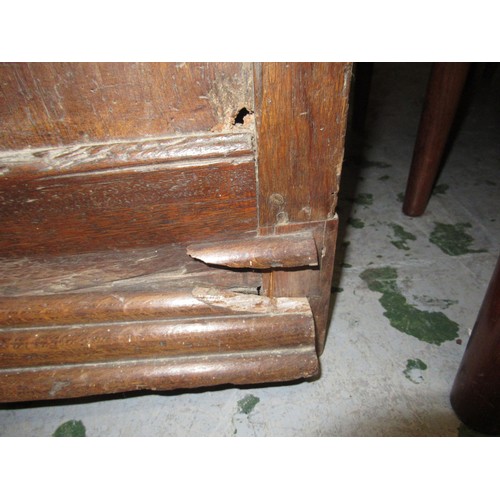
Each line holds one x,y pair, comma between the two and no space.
475,395
444,90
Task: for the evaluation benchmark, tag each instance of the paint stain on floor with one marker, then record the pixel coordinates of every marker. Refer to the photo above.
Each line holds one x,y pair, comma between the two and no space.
247,404
453,239
431,327
440,189
402,237
414,370
71,428
364,199
356,223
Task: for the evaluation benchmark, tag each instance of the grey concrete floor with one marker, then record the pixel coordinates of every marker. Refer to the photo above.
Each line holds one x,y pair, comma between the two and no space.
386,371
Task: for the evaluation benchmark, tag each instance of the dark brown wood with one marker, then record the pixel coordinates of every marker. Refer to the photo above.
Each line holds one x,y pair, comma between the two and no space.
475,395
161,269
108,172
78,205
294,250
52,104
85,308
444,90
135,156
301,117
315,284
301,114
205,331
283,327
157,375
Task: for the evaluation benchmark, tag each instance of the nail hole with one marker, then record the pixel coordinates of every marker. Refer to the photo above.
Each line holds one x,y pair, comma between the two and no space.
240,116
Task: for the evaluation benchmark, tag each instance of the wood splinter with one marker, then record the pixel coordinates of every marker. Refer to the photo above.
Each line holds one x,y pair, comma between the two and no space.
287,251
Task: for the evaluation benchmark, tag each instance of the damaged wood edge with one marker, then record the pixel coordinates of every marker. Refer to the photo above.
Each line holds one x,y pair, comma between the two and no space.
286,251
257,304
87,308
313,283
103,157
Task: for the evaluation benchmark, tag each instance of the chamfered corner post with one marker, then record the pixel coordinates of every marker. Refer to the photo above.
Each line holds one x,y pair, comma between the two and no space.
301,117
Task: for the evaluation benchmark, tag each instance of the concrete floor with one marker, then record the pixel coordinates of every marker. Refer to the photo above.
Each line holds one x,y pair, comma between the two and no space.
386,371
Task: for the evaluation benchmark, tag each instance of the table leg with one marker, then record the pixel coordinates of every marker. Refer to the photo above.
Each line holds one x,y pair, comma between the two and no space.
475,395
444,90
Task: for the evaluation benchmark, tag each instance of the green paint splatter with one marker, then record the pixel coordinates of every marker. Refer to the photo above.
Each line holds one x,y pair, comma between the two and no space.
71,428
464,431
440,189
401,197
346,265
432,327
490,183
337,289
402,237
364,199
413,371
384,178
346,243
452,239
247,404
357,223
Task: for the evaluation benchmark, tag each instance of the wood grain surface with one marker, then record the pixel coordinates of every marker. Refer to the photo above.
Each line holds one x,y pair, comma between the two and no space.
164,192
109,171
53,104
301,115
294,250
238,338
62,345
313,283
159,374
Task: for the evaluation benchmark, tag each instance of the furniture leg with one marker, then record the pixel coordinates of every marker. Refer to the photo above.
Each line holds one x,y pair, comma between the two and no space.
475,395
445,87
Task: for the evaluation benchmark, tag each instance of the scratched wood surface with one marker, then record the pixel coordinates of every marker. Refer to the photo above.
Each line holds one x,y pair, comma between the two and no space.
109,171
286,325
313,283
230,338
84,307
301,114
53,104
301,118
126,196
259,252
